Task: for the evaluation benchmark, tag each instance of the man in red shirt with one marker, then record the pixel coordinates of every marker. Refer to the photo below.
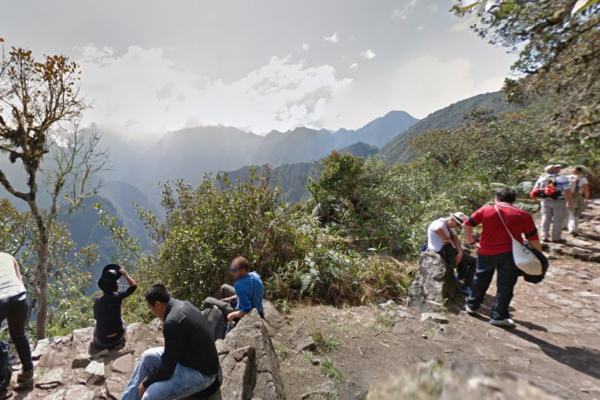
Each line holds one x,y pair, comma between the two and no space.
495,252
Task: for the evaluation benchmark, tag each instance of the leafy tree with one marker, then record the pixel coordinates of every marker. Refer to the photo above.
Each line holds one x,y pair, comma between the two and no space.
68,277
40,106
559,47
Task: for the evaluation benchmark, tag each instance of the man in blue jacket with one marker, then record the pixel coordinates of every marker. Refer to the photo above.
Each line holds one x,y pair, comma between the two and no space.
247,292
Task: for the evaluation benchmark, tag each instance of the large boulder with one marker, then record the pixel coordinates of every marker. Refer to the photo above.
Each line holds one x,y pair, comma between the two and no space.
71,368
436,381
434,285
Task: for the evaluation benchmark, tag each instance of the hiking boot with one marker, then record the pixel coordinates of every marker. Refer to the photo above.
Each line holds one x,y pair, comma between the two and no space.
24,381
470,309
503,323
559,241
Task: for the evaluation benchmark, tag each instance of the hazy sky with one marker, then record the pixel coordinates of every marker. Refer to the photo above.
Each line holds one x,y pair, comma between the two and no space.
151,66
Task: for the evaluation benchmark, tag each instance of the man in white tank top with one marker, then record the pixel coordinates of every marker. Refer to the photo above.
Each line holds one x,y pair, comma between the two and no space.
15,309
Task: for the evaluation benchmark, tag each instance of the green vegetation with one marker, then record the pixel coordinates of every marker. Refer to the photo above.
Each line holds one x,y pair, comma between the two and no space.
329,369
325,343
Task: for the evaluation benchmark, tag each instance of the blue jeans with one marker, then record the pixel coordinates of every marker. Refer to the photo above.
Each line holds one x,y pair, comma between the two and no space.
508,274
184,382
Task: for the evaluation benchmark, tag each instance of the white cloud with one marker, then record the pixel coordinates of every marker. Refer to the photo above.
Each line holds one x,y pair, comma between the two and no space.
305,47
143,91
402,13
369,54
422,27
335,38
355,65
438,84
433,7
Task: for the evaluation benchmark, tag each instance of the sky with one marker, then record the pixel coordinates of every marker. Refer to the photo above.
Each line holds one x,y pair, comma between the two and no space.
152,66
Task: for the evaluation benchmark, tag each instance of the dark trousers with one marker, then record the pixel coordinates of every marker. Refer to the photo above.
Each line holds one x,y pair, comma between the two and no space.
508,274
16,311
225,307
465,269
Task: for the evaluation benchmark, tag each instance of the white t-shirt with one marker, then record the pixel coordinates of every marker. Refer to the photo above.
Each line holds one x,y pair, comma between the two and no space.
434,241
581,182
10,284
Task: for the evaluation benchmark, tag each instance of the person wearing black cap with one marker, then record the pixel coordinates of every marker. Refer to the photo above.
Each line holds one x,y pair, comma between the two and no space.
110,327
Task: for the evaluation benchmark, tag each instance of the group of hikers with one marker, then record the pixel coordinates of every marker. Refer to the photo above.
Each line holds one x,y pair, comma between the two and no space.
189,364
563,199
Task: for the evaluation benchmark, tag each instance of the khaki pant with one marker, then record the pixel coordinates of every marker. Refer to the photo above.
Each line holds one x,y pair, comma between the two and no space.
575,212
225,307
553,213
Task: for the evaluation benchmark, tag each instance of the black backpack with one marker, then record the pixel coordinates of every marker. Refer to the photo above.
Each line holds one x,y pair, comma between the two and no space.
217,322
5,369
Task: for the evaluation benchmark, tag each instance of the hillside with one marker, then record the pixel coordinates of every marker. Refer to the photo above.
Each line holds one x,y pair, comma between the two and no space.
449,117
360,149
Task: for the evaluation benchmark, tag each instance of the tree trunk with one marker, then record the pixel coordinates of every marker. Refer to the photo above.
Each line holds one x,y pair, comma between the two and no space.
43,244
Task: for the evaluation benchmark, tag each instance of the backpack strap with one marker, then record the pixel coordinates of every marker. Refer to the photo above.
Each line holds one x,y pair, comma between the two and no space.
504,223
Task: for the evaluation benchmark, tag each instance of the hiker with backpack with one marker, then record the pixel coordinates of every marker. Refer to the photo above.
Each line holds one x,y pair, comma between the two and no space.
580,188
443,240
502,223
14,308
554,192
246,294
110,328
188,364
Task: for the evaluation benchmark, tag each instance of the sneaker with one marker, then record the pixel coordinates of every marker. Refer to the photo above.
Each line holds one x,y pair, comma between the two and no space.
503,323
470,309
464,289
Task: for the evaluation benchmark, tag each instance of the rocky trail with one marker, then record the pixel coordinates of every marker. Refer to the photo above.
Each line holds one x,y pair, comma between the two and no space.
324,353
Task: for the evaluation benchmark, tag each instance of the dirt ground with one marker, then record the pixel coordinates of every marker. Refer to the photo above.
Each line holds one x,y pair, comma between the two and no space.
556,344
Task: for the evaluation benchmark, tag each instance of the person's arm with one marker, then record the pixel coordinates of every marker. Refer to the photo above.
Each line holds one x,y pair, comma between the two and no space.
132,285
174,347
17,270
473,221
585,191
458,246
244,305
442,233
531,233
569,196
468,229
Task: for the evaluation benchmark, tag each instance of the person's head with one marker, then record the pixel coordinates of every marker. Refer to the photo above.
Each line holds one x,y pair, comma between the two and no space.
108,282
158,297
553,169
505,195
239,268
576,171
456,219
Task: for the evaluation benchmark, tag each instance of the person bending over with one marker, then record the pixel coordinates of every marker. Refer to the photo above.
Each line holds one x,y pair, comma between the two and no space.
495,253
110,327
442,239
247,292
14,308
187,364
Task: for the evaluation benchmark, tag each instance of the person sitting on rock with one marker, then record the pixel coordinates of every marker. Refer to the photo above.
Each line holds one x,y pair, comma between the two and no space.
246,294
110,327
187,364
14,308
443,240
502,222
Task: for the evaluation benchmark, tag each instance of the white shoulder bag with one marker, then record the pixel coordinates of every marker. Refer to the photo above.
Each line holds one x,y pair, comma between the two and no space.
524,258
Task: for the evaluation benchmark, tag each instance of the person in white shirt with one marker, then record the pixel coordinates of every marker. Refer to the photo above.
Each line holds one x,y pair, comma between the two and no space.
443,240
580,187
15,309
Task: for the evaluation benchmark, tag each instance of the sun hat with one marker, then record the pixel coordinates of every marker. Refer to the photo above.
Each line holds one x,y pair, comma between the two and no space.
110,275
459,217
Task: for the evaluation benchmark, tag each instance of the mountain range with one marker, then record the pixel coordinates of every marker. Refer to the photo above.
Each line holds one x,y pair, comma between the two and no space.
190,153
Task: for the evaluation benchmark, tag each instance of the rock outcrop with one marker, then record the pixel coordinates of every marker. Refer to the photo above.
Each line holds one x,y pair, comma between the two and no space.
70,367
434,285
435,381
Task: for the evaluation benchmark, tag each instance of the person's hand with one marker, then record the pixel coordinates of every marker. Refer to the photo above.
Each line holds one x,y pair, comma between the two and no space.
231,317
123,272
459,258
141,390
227,299
569,205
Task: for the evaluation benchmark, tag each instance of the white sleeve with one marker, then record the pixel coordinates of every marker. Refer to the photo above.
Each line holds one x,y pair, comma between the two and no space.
583,181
